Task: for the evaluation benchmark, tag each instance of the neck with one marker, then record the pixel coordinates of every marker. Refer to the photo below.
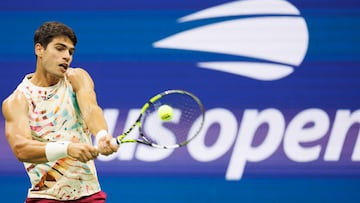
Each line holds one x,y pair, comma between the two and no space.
42,80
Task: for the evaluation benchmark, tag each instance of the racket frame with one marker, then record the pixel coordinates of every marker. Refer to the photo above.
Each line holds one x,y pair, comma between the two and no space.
121,138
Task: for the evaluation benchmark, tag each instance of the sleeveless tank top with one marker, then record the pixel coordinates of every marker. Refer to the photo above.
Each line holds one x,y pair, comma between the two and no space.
54,115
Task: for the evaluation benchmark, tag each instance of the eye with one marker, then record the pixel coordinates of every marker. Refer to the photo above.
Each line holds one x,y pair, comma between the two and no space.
60,48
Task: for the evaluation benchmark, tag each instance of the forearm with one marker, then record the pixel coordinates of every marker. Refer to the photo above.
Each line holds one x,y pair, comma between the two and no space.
42,152
86,98
30,151
94,119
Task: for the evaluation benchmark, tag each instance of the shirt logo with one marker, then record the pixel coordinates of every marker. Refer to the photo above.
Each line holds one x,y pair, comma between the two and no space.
270,37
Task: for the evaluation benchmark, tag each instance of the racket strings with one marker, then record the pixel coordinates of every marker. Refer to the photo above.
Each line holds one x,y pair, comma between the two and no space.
181,128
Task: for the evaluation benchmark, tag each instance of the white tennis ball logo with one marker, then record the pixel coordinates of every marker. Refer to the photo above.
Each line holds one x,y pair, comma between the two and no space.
165,112
271,33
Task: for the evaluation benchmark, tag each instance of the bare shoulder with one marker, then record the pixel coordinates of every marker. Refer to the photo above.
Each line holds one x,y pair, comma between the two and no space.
77,70
14,104
75,73
79,78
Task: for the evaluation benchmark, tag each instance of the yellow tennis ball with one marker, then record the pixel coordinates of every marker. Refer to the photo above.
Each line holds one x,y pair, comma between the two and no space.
165,112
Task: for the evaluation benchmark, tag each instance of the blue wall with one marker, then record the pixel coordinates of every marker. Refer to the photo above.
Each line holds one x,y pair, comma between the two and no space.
306,148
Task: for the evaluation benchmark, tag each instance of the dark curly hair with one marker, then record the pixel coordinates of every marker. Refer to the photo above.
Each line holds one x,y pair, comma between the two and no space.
49,30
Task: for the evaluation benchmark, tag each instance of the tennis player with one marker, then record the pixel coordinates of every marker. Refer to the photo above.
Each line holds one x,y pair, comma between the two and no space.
49,120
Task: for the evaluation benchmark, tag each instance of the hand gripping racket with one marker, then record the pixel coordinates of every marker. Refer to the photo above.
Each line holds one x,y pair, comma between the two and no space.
184,118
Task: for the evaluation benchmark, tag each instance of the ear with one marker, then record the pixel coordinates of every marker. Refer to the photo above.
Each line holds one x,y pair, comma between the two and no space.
38,49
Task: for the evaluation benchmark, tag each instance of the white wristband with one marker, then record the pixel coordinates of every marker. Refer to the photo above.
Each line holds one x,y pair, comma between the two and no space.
99,135
56,150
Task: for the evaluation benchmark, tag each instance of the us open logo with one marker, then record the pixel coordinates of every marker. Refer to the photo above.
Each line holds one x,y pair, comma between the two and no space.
271,34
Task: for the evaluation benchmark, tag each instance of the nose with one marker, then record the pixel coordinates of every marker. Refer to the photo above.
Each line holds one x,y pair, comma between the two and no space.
67,56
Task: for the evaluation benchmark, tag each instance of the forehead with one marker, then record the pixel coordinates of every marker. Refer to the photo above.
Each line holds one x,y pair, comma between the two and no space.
62,40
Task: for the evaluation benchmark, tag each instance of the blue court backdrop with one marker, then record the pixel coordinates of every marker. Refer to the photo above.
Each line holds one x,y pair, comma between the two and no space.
279,81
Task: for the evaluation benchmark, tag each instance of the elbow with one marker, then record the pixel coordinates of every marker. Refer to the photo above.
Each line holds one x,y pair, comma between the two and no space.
25,157
27,150
20,153
23,154
21,159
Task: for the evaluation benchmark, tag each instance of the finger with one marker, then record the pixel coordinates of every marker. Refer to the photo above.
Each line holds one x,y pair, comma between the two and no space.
89,153
87,156
82,158
94,152
107,150
114,148
101,149
108,141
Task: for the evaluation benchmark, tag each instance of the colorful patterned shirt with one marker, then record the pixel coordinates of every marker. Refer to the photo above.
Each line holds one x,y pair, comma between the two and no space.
55,116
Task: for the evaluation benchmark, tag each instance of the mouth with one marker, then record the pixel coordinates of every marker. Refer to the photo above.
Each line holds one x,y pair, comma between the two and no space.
64,66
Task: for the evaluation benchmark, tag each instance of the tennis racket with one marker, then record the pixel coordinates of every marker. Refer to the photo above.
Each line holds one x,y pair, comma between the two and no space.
184,123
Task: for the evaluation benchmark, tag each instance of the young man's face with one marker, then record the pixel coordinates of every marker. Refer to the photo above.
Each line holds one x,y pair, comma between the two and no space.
57,56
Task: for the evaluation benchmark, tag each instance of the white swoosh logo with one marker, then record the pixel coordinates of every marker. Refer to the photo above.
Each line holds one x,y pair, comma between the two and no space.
280,42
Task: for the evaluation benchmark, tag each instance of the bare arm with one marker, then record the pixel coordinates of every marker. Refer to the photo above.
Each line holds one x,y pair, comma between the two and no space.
17,130
18,133
92,113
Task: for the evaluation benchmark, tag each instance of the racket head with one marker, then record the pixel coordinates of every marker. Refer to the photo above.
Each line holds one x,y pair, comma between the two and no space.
186,122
